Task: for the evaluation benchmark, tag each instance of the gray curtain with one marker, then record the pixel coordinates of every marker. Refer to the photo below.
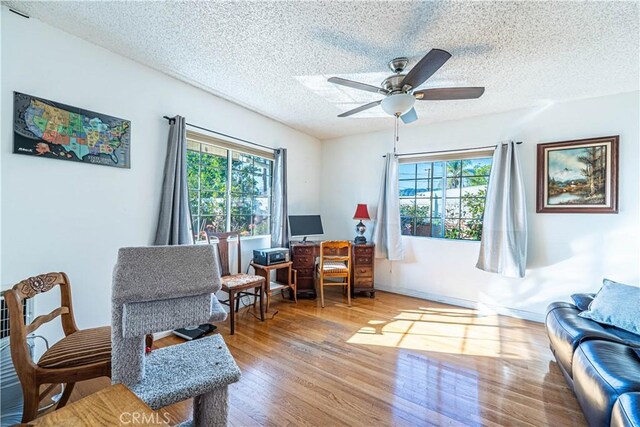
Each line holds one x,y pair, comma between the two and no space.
386,231
174,223
279,214
503,248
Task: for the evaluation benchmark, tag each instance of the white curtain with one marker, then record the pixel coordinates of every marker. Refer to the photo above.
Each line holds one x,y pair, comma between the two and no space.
503,248
386,231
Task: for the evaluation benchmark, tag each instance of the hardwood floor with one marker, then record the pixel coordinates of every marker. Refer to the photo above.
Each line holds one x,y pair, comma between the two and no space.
392,360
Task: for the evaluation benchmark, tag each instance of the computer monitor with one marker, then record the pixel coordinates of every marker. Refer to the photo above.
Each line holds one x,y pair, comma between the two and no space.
305,225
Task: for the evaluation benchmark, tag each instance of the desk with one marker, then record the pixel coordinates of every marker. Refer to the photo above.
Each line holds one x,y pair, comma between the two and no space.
286,279
304,254
115,405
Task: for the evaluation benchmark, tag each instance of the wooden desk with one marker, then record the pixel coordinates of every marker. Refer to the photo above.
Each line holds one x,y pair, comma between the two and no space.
285,280
304,254
115,405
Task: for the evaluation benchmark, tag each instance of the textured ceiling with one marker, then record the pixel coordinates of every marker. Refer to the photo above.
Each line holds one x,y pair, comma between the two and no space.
275,57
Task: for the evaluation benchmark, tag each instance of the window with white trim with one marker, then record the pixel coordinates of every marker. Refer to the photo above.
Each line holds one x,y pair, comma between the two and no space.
229,187
443,198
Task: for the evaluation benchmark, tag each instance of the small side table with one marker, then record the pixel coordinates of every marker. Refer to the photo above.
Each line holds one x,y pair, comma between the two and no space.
271,287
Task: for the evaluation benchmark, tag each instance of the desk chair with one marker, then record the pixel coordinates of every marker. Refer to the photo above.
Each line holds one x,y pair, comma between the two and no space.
238,284
81,355
335,263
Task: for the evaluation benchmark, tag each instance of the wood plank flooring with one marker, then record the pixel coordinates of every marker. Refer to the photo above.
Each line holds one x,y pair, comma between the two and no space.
388,361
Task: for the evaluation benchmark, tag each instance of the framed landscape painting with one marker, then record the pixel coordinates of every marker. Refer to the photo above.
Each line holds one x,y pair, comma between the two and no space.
578,176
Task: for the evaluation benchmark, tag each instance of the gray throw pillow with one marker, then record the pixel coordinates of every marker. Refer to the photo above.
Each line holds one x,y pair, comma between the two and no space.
616,305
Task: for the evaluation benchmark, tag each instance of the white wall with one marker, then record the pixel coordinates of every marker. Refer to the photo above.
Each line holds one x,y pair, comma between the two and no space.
73,217
567,252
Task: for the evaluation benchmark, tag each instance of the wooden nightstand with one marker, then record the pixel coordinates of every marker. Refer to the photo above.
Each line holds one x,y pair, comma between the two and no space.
362,269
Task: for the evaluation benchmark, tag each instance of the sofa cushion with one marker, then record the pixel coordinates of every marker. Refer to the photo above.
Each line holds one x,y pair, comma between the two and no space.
603,371
566,329
626,411
582,301
617,305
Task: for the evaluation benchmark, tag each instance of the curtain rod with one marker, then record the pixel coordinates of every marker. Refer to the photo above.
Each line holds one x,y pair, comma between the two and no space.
448,151
171,119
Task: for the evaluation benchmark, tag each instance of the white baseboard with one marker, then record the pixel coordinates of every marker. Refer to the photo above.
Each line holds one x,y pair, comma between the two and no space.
505,311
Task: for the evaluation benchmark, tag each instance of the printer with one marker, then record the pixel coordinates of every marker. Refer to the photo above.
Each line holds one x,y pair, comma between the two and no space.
271,256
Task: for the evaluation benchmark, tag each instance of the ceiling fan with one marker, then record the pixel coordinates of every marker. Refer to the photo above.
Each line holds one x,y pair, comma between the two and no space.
399,88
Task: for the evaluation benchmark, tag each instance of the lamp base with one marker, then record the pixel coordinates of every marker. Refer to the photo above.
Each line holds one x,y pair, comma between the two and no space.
360,240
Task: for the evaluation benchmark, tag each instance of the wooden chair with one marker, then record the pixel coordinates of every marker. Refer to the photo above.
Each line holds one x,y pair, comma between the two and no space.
335,263
81,355
238,284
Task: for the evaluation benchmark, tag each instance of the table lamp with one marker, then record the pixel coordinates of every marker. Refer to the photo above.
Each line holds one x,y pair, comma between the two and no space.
361,213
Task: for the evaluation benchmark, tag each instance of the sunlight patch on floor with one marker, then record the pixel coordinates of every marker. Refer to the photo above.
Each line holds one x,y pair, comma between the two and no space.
445,330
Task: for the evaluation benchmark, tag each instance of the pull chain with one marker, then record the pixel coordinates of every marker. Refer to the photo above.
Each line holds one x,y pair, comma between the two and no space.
395,135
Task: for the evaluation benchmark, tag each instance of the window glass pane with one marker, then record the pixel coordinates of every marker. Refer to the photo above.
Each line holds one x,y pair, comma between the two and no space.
241,161
193,159
208,181
407,207
261,205
213,172
193,202
423,208
423,188
240,206
452,228
453,187
472,207
452,209
474,185
438,169
407,188
436,228
437,184
470,229
454,167
241,223
454,190
424,170
213,224
476,167
260,225
407,225
423,227
436,207
212,203
407,171
262,185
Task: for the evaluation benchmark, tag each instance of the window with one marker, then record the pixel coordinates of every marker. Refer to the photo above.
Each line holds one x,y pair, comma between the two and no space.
443,198
229,190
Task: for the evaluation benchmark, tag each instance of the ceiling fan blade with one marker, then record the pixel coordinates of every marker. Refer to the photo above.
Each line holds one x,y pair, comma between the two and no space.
360,108
425,68
357,85
409,116
445,93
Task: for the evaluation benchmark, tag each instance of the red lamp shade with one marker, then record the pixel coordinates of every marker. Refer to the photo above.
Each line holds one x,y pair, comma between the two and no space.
361,212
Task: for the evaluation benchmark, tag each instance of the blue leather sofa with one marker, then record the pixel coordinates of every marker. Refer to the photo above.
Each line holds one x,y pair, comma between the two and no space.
600,363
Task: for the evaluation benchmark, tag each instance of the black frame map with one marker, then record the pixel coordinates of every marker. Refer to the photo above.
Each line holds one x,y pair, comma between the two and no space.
50,129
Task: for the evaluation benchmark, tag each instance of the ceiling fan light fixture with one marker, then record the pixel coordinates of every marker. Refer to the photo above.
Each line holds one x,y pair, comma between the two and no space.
398,104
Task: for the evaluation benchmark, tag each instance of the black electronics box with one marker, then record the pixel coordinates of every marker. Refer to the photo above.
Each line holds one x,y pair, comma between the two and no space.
271,256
